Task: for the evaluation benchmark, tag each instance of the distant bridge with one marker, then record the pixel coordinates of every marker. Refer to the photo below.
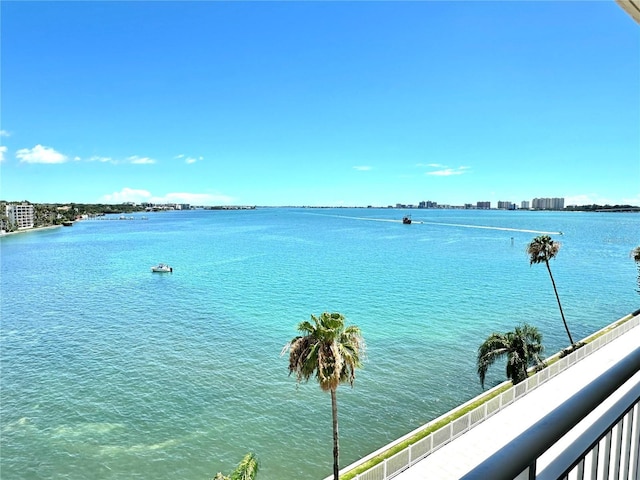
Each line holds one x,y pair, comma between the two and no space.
626,209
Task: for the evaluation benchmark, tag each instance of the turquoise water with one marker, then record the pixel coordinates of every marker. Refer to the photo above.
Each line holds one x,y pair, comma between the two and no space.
112,372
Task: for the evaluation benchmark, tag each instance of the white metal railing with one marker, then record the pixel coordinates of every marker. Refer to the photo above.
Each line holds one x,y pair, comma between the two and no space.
402,460
614,452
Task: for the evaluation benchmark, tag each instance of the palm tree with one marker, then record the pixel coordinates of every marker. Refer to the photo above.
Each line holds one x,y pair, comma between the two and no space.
247,469
542,249
635,254
330,351
522,347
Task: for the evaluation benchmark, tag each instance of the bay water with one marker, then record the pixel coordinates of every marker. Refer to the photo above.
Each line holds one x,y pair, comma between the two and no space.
109,371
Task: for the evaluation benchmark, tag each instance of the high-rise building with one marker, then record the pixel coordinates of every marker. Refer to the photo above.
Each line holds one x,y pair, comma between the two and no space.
483,205
20,215
548,203
524,205
506,205
558,203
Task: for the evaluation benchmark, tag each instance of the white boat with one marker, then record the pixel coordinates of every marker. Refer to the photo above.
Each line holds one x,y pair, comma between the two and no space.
162,268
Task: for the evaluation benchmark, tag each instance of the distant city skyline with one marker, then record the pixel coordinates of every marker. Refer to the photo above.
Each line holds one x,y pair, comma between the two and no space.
556,203
319,103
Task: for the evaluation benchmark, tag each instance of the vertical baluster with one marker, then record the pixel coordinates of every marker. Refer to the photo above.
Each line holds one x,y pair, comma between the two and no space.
580,470
594,461
606,457
628,421
618,455
635,468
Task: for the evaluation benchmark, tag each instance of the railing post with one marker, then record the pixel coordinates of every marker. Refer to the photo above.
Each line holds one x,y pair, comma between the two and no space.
635,468
618,453
594,460
607,455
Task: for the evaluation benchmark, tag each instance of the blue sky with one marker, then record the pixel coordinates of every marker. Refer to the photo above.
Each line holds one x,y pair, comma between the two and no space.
319,103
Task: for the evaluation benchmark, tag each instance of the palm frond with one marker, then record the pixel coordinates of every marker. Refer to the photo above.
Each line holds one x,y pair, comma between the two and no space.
542,249
328,349
247,469
493,348
522,347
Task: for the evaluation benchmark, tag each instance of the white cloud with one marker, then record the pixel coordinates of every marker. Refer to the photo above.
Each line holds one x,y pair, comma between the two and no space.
582,199
195,198
127,195
446,171
635,201
141,160
98,158
362,168
430,165
40,154
3,150
596,199
4,133
190,160
138,196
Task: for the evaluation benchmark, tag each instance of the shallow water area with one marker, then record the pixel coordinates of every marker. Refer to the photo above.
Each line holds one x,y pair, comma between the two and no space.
110,371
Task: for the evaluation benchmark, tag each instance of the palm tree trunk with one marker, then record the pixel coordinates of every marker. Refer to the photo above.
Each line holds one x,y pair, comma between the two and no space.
334,413
559,305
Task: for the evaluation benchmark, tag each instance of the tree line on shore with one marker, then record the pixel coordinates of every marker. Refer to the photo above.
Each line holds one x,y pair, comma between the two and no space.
49,214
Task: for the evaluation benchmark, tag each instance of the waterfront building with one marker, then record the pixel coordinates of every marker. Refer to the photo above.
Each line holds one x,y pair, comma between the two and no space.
483,205
506,205
558,203
20,215
524,205
548,203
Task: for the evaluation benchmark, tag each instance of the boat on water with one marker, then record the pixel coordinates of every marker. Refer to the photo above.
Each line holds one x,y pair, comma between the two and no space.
406,219
67,223
162,268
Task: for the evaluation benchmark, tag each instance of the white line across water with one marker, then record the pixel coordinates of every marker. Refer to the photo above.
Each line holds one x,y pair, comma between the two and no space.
506,229
494,228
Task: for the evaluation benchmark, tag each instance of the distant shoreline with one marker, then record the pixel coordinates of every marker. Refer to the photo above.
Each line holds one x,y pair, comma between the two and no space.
26,230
